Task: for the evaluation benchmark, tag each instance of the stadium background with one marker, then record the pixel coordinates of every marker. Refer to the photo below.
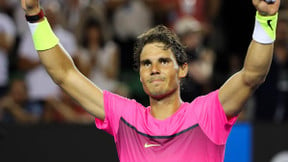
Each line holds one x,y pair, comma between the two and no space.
252,139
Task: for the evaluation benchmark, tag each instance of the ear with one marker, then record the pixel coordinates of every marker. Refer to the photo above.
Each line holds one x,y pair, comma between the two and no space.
183,70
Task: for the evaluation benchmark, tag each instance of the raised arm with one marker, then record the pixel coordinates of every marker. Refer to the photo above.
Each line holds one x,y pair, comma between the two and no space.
237,89
60,66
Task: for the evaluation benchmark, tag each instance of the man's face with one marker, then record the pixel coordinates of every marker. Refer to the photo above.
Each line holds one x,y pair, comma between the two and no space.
159,72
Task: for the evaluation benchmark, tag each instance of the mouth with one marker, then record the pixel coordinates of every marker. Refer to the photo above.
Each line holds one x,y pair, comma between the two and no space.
156,80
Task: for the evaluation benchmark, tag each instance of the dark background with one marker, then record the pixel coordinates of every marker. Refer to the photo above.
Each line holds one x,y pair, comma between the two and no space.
75,143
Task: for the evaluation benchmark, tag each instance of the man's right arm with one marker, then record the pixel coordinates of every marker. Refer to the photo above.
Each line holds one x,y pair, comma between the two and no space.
62,70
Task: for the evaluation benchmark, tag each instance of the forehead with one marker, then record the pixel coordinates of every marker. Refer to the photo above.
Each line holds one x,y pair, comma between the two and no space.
155,50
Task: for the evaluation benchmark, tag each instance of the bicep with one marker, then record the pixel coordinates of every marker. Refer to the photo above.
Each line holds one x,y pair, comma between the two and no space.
234,94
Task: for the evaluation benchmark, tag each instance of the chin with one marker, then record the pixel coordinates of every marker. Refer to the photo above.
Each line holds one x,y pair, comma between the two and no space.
155,94
160,95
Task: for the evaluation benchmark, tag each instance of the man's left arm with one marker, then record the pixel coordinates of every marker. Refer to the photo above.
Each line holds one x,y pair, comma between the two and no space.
237,89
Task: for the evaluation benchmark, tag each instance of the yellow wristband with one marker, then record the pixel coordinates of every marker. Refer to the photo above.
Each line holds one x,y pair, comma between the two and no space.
43,36
265,28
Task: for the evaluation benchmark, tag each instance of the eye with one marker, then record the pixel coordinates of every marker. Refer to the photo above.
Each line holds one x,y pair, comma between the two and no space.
164,61
146,63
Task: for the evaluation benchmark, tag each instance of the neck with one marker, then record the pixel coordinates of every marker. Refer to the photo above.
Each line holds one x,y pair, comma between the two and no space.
166,106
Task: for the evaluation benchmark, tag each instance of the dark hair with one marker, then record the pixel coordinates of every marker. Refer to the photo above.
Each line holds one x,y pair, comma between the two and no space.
91,22
163,35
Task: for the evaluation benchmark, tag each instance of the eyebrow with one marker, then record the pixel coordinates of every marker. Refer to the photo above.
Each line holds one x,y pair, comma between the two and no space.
165,59
145,61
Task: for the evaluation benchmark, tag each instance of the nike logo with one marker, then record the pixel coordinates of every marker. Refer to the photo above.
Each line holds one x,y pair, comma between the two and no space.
269,24
147,145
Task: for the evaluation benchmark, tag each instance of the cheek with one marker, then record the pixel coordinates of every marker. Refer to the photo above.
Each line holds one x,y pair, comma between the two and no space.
173,79
141,76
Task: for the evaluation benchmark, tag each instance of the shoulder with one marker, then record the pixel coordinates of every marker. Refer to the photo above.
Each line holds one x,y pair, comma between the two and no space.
206,103
211,95
111,47
112,99
119,106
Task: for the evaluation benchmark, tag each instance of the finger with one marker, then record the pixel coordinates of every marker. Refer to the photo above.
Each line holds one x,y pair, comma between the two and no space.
265,8
31,4
23,4
270,1
31,7
274,7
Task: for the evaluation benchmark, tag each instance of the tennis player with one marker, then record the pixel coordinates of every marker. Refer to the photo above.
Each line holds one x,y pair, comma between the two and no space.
169,130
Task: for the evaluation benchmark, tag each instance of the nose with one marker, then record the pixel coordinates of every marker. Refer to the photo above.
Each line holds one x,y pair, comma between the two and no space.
155,69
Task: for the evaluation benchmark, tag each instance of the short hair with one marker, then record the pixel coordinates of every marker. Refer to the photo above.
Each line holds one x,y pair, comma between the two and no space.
163,35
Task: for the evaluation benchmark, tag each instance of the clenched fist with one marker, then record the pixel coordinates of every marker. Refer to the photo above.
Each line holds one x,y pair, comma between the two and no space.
265,8
31,7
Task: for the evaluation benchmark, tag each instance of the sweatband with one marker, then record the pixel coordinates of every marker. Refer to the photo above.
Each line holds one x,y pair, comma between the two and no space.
43,36
265,28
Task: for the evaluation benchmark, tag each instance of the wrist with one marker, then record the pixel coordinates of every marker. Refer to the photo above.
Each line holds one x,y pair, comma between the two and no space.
36,16
265,28
34,11
261,13
42,35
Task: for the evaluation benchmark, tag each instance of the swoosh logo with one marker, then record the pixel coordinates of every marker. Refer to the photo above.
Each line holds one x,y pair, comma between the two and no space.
269,24
147,145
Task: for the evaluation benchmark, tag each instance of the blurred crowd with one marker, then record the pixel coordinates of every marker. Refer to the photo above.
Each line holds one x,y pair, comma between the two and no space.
99,35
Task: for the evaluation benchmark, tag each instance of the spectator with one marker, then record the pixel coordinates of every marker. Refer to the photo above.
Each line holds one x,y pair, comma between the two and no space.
7,40
204,11
7,6
98,12
125,32
72,10
66,110
201,59
15,106
97,56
